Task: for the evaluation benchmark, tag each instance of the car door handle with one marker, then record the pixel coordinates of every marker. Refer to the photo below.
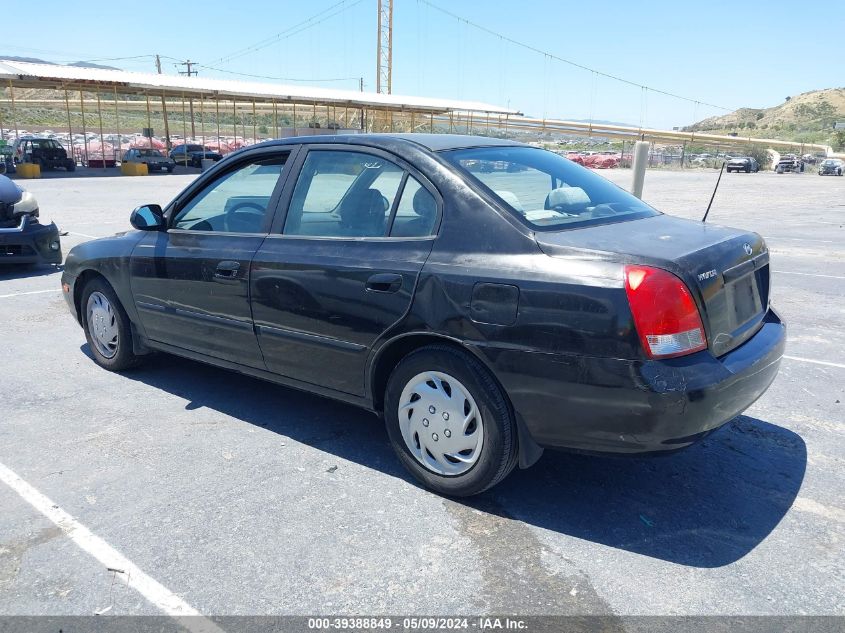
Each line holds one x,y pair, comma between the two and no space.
384,282
227,271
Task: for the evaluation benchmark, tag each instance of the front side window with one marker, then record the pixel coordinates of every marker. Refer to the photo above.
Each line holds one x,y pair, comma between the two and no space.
547,190
236,202
343,194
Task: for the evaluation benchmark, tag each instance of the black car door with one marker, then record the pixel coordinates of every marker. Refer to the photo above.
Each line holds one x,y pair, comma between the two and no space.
341,265
191,283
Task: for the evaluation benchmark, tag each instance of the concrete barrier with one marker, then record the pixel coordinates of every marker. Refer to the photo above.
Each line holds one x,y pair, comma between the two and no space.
134,169
28,170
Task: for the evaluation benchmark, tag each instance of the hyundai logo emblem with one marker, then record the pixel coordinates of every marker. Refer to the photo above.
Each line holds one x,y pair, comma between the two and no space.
747,248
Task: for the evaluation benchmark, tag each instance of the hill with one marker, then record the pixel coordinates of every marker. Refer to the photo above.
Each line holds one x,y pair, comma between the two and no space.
807,117
35,60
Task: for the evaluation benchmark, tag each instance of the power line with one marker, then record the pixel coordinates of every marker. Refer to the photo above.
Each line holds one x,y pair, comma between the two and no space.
290,31
569,61
232,72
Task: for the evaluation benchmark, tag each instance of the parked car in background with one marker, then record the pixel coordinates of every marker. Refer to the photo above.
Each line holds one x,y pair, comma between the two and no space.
789,163
152,158
831,167
48,153
484,314
747,164
192,155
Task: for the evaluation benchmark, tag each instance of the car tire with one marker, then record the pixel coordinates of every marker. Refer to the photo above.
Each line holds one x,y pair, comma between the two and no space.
748,170
107,327
71,167
170,170
490,436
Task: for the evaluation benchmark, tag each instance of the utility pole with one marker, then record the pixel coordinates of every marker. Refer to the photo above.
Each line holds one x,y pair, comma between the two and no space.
163,112
361,120
188,64
384,67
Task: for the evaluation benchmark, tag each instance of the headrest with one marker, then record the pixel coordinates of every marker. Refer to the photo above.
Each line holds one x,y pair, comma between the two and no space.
511,199
424,204
567,198
364,212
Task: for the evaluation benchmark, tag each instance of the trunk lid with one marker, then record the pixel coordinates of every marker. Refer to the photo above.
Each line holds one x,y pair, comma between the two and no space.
726,269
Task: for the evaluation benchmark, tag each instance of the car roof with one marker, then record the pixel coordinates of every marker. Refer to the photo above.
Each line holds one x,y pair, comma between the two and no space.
432,142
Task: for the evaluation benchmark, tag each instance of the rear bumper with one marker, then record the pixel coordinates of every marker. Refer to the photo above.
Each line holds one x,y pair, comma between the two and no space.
29,243
634,406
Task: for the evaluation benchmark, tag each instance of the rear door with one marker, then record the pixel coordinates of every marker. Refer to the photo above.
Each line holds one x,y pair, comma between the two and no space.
191,283
342,264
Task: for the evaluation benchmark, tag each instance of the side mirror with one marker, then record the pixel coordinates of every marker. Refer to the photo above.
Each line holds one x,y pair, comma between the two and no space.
149,217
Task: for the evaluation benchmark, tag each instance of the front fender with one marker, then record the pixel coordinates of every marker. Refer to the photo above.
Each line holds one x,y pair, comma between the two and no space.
108,257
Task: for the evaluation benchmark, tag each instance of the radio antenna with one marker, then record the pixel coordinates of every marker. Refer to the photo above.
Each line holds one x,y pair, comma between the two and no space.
715,189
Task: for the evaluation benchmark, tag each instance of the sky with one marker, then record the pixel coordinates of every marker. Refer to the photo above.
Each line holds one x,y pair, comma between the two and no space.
717,55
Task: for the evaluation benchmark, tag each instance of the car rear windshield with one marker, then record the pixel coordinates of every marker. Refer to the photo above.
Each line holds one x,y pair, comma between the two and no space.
548,191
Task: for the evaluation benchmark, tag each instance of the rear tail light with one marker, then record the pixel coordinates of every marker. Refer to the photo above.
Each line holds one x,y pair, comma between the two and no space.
665,314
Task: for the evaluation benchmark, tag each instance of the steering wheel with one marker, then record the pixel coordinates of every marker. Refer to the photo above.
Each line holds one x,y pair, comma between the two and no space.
251,215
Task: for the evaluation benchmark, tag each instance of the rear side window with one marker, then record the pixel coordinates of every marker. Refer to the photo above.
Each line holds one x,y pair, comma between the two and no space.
416,213
343,194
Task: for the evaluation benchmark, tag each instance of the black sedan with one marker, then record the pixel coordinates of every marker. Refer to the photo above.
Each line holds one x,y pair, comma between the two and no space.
831,167
485,314
192,155
23,239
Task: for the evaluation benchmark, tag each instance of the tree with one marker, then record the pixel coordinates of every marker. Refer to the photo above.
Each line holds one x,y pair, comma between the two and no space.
839,140
761,155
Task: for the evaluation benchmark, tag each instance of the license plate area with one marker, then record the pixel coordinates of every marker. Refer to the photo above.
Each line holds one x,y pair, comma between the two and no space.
744,300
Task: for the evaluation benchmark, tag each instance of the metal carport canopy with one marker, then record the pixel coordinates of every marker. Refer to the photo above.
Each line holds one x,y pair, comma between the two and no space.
54,76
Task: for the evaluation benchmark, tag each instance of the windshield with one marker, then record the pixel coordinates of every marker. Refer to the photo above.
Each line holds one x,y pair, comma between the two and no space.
547,190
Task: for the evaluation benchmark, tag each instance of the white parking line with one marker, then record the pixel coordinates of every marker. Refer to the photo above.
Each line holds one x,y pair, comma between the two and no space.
30,292
124,569
816,362
91,237
800,239
789,272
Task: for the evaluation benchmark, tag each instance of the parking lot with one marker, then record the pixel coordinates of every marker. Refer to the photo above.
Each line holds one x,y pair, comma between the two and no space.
239,497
